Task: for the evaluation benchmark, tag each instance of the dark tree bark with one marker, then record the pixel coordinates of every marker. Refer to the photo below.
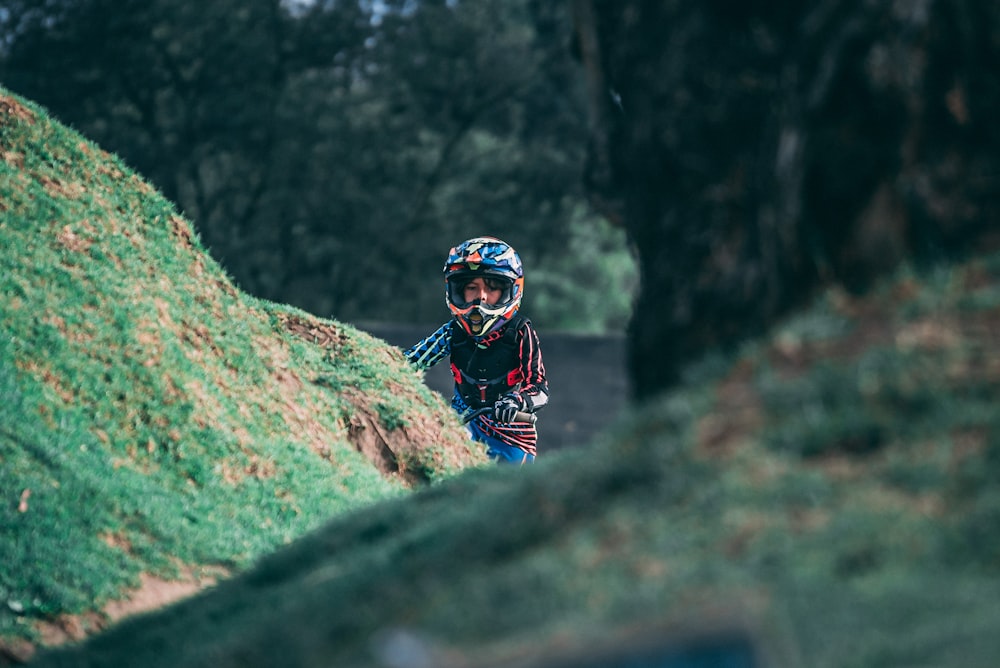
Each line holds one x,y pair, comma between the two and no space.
755,151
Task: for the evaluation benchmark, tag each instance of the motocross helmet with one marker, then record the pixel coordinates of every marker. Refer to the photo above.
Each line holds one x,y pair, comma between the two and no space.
498,263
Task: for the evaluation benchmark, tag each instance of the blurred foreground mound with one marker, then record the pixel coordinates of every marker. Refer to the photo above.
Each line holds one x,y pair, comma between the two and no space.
825,497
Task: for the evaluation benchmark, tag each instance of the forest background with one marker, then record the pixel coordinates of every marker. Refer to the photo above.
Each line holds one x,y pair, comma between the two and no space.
330,153
736,157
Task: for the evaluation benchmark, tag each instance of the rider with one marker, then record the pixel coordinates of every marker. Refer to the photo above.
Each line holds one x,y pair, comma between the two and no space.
495,357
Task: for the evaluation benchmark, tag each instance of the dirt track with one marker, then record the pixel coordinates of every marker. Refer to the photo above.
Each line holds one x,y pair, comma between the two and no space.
586,377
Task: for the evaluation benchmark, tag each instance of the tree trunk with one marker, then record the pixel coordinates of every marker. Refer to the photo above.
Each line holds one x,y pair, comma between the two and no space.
756,151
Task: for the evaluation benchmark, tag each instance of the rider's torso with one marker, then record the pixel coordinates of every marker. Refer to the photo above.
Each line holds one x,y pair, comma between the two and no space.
484,370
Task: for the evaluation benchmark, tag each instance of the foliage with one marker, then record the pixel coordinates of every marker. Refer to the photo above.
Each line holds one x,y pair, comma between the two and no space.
585,285
332,152
154,419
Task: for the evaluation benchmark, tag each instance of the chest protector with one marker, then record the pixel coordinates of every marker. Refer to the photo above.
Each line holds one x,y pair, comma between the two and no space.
485,369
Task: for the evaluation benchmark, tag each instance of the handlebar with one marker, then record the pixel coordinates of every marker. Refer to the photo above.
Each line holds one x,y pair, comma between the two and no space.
519,416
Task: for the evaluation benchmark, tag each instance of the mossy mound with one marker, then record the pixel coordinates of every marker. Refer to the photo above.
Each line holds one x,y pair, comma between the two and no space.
157,425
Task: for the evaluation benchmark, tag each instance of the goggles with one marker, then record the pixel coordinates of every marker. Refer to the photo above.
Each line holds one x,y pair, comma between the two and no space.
456,291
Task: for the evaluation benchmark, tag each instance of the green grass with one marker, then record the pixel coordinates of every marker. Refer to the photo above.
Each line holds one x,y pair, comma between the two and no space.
845,516
829,489
153,418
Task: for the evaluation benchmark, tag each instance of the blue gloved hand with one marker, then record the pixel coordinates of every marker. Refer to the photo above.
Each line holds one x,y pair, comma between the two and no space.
506,407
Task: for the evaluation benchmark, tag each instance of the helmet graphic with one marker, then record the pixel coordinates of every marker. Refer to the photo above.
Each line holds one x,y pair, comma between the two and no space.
500,266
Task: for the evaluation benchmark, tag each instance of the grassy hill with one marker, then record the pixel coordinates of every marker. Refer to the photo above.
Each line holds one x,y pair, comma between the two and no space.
158,427
825,496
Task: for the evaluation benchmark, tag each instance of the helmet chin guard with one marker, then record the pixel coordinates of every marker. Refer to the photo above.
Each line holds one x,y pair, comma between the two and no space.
479,321
491,259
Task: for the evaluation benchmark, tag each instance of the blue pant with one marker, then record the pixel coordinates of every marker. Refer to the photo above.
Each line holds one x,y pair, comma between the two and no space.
497,450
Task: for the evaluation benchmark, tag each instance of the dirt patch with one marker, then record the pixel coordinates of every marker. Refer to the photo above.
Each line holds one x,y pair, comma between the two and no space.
180,229
71,190
15,651
72,241
321,334
364,431
11,107
152,593
404,452
389,451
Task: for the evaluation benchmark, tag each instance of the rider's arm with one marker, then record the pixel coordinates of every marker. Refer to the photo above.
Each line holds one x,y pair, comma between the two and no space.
429,351
534,390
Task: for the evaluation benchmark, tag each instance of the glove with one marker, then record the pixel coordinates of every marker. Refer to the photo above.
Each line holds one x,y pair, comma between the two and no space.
506,407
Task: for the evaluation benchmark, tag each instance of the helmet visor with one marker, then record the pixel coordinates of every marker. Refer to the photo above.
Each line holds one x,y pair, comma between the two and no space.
457,293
